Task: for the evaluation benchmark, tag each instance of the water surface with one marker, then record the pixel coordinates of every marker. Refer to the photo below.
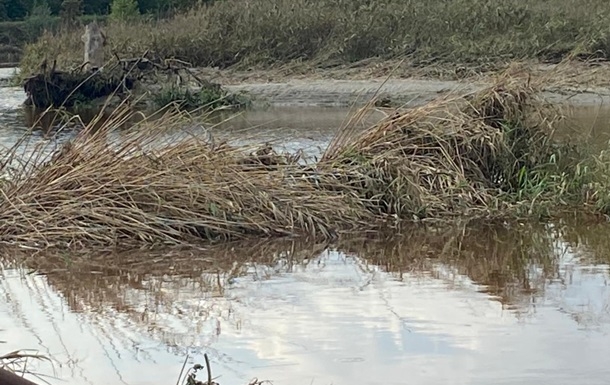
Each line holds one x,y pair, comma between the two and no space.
461,306
286,128
469,306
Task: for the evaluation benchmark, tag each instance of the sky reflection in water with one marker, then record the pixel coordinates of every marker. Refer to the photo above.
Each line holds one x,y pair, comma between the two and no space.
460,307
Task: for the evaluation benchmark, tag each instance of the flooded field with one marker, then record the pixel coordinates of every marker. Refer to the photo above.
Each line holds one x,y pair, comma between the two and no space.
519,304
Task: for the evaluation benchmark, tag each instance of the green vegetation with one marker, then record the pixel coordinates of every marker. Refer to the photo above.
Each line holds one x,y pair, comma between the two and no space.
124,10
208,97
24,21
325,32
16,34
11,10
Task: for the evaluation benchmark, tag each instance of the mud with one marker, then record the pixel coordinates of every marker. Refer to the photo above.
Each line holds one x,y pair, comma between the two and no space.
405,92
572,82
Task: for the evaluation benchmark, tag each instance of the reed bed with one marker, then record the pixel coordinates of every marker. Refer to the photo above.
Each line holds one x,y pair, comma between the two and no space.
484,155
323,33
453,157
141,190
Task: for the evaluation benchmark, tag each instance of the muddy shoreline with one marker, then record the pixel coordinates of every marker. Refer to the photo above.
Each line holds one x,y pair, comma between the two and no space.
573,83
576,83
407,92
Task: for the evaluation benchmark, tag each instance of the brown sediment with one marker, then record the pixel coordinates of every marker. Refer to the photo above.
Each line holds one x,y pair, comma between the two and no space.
572,82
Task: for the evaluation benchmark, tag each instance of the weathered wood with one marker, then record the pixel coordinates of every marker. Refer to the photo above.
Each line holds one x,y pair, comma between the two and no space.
10,378
54,88
58,88
94,40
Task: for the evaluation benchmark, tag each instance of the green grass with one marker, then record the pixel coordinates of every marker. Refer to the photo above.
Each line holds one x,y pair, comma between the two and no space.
261,32
211,97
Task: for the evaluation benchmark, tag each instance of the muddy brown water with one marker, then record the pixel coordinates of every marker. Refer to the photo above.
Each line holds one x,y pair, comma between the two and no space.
467,305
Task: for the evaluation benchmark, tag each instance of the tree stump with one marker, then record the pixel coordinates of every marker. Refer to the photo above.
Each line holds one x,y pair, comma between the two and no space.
94,40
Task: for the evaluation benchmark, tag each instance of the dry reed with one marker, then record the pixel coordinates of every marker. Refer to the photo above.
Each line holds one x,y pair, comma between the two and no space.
325,33
457,157
17,362
93,192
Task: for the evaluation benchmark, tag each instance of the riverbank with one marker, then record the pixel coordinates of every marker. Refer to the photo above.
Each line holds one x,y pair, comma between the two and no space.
392,83
285,42
293,45
399,83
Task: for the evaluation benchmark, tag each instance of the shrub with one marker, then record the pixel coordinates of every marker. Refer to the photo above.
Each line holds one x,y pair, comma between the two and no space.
184,98
124,10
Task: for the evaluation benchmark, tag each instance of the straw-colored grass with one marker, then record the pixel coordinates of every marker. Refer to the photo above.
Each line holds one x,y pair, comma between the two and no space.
486,155
17,362
96,193
470,155
329,32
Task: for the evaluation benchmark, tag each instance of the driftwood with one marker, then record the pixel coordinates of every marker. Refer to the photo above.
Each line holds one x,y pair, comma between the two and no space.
54,88
10,378
58,88
146,67
94,40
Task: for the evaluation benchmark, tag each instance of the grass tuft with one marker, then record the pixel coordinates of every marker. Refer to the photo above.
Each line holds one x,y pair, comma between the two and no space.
452,157
187,99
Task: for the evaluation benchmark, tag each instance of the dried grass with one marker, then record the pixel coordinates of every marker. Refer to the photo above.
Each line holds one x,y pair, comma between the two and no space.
488,154
92,192
455,156
324,33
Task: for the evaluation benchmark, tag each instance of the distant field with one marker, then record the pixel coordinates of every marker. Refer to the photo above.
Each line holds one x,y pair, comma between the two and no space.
329,32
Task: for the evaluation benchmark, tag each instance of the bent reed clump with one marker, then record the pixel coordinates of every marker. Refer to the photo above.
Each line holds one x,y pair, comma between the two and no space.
479,155
140,191
484,155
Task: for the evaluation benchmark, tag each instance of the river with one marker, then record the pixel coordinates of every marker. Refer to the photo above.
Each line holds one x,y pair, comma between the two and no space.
465,305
